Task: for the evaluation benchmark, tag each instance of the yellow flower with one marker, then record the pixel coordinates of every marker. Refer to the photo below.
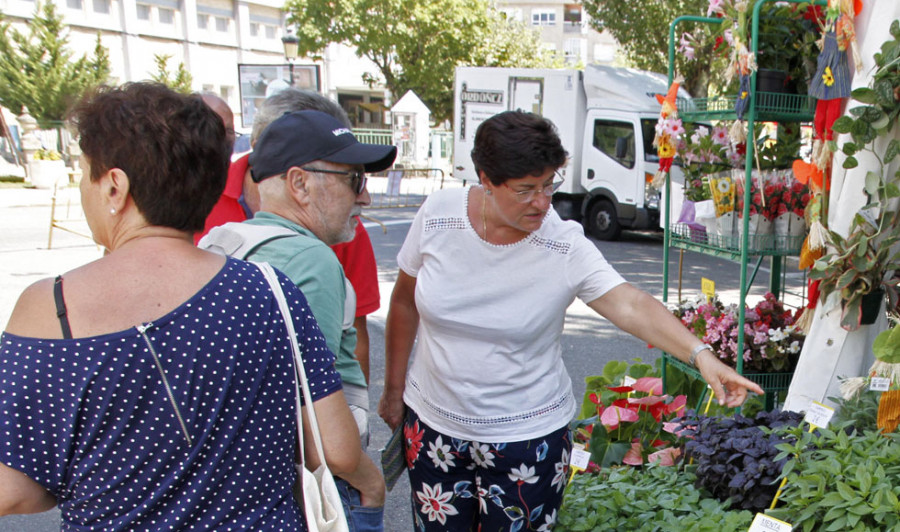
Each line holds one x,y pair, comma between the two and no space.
828,77
666,150
724,186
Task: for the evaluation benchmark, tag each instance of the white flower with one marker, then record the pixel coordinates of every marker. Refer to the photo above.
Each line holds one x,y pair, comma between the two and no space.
549,521
434,503
482,455
777,335
794,347
561,467
523,474
440,454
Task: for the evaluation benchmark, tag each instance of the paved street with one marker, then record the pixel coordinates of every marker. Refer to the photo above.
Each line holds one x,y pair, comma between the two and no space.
589,341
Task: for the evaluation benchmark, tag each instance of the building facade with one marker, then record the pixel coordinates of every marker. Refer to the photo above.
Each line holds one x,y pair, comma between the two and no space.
565,29
212,38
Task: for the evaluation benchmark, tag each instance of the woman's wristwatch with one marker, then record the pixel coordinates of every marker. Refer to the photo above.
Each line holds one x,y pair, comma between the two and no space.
696,351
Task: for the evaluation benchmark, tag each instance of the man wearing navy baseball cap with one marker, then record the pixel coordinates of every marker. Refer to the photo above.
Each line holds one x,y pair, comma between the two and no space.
310,172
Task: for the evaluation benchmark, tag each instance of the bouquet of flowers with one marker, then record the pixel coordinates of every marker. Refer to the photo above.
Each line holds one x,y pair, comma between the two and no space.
633,425
796,197
772,342
703,152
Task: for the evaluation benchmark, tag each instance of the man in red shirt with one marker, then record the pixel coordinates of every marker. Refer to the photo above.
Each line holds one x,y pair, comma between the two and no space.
240,200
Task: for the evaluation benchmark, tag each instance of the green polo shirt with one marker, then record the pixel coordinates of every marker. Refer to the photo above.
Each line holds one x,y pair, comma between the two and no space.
315,269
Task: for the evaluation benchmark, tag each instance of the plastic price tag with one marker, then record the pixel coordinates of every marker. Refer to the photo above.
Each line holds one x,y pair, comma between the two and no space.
628,381
580,458
818,414
765,523
708,287
880,384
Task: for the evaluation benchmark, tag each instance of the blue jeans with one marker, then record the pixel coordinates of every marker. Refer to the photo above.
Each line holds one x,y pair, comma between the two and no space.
359,517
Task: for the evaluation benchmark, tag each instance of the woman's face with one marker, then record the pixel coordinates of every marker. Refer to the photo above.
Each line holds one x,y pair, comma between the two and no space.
514,207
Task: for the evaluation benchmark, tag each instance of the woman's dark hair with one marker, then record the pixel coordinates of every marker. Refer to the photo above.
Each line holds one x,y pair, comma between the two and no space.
516,144
172,147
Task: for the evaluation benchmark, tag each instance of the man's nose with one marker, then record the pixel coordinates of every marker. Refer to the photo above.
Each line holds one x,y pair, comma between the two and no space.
363,198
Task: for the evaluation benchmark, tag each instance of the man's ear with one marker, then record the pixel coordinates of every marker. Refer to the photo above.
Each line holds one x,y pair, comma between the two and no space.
297,182
116,187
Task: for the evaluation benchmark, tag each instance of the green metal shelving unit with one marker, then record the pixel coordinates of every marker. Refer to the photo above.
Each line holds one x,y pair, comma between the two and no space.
763,107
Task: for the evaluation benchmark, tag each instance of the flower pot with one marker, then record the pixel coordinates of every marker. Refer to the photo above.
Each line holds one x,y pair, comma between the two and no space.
759,231
725,229
871,306
768,80
789,231
46,174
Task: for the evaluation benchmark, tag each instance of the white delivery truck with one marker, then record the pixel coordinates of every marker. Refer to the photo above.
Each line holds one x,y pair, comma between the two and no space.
606,117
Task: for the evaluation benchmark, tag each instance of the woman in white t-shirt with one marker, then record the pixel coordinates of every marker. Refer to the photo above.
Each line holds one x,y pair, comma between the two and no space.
486,275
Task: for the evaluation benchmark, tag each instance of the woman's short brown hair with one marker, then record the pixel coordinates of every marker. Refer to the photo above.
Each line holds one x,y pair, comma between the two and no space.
515,144
172,147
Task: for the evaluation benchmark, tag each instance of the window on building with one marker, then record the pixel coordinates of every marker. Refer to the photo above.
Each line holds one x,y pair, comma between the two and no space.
74,4
270,31
202,21
616,140
143,12
166,15
101,6
254,29
543,17
221,24
572,17
574,49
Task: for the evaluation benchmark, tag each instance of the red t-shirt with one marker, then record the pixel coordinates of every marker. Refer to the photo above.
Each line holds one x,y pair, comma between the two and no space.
358,259
228,208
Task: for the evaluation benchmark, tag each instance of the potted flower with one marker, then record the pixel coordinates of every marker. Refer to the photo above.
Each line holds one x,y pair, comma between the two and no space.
46,168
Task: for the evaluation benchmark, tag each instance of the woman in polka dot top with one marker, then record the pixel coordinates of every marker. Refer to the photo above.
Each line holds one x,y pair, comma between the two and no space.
153,389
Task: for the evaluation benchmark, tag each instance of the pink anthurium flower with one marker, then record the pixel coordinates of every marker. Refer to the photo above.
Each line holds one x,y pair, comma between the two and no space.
665,457
613,415
649,385
633,456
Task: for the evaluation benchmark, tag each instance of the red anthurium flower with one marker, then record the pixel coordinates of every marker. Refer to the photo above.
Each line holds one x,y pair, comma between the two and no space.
595,399
620,389
649,385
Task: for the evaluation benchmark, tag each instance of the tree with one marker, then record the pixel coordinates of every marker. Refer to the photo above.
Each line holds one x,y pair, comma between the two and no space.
642,31
38,71
417,44
182,80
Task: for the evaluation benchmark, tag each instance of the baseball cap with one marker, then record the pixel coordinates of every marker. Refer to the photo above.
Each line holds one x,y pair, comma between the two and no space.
300,137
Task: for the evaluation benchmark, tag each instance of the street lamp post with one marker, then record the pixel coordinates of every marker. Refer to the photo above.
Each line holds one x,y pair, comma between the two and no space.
291,50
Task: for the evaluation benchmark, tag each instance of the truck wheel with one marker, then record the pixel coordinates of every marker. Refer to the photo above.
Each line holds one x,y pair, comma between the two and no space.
603,223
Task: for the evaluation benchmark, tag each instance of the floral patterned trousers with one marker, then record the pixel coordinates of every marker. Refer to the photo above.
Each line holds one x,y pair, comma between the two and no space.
464,485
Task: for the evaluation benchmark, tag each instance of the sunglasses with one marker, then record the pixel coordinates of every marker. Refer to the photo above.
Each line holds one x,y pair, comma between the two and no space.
357,177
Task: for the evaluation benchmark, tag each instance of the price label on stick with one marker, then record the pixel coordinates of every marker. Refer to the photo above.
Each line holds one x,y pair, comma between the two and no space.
628,381
580,458
765,523
880,384
708,287
818,414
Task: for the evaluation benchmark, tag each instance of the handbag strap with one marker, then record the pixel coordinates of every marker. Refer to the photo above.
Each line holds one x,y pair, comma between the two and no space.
299,370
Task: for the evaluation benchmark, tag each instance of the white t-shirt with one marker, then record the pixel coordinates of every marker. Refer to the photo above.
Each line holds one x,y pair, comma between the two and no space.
488,365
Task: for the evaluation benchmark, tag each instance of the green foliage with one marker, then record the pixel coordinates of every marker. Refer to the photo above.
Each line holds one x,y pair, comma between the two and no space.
642,31
181,81
645,499
840,480
863,261
861,411
417,44
38,71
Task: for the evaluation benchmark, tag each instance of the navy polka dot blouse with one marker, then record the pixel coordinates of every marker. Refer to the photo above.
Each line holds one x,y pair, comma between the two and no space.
92,421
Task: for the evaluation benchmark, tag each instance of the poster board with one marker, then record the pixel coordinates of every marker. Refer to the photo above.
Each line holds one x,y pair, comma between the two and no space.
258,81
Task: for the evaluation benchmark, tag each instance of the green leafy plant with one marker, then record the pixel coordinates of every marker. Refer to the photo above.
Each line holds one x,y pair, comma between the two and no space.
650,499
840,479
863,261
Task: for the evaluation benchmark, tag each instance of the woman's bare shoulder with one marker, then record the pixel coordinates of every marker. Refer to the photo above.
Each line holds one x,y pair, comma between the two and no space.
35,312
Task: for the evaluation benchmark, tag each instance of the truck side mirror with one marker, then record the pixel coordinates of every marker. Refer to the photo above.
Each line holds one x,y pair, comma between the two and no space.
621,147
